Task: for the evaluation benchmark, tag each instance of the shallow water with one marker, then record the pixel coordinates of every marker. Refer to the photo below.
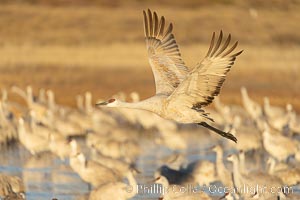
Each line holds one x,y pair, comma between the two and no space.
45,176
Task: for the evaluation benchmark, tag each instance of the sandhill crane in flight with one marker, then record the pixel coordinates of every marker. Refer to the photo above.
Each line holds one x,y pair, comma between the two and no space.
182,92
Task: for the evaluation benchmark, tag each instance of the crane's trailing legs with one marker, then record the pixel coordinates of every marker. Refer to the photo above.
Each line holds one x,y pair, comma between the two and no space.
222,133
182,92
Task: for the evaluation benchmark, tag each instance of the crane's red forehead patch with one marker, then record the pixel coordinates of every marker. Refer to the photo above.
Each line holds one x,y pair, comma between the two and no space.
111,100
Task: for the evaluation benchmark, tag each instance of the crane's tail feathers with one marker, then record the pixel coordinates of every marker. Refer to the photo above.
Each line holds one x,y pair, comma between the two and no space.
203,113
222,133
206,115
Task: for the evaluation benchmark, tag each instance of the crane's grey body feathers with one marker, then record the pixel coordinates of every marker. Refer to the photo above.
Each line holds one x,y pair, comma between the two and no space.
182,93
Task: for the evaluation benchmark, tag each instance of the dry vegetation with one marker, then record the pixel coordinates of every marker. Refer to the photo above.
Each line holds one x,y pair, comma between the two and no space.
99,46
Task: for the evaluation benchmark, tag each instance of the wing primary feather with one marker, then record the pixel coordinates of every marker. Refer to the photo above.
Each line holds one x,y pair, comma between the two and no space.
150,23
163,53
156,44
169,47
155,25
175,54
168,40
217,44
237,54
172,50
145,24
230,50
169,30
161,26
225,45
211,44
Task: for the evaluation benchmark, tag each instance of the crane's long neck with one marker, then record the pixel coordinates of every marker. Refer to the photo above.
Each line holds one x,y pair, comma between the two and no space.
219,163
153,104
133,184
165,186
2,115
236,173
272,166
242,158
266,103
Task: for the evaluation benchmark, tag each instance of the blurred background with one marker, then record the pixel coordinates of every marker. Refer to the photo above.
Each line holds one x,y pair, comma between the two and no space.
71,47
98,45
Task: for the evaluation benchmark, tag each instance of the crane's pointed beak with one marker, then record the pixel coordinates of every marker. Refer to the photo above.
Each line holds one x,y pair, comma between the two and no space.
101,103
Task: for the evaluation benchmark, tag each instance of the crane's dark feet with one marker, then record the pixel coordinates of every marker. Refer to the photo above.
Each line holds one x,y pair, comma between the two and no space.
222,133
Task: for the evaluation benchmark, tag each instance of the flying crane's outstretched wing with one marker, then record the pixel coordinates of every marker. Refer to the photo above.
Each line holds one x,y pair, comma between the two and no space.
163,52
204,82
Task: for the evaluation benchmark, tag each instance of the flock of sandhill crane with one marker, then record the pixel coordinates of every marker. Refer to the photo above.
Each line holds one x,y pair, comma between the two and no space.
267,152
266,164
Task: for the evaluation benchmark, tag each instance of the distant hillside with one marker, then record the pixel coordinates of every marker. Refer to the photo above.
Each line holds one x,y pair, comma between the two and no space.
66,25
169,3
